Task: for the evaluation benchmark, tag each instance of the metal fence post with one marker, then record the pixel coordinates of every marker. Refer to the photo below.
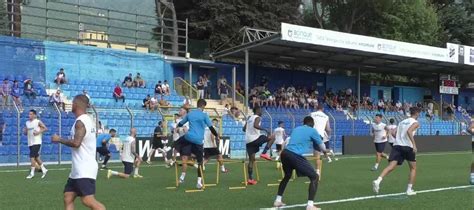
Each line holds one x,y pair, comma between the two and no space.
60,132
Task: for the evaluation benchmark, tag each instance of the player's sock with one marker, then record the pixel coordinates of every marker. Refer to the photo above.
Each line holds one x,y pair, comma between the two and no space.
183,175
277,157
250,173
222,167
43,168
379,179
136,171
310,203
278,198
114,173
32,171
410,187
318,171
199,180
376,166
106,160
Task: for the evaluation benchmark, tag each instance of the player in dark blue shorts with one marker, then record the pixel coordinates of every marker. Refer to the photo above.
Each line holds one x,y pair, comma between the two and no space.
192,142
102,146
302,138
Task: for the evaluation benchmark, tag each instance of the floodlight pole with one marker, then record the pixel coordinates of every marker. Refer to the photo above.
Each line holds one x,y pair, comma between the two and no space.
246,80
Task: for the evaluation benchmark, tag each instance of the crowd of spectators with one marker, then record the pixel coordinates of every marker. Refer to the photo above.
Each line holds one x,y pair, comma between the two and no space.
131,82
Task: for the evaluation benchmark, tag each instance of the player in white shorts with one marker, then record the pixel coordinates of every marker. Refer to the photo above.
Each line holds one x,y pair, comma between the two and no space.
403,149
211,147
130,158
34,130
378,130
280,136
81,182
321,124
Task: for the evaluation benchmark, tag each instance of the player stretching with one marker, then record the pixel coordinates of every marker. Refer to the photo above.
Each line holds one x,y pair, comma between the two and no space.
192,142
34,130
210,147
403,149
129,157
280,136
302,138
379,131
255,140
81,181
102,147
392,132
158,144
321,124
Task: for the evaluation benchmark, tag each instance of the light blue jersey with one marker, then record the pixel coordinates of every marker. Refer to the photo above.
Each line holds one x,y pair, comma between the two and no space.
303,138
198,121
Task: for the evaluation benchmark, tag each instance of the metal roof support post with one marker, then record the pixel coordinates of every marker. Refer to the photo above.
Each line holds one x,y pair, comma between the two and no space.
246,103
358,92
190,80
234,79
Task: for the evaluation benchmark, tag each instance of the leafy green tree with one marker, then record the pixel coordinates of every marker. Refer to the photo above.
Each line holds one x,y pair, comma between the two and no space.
457,22
3,19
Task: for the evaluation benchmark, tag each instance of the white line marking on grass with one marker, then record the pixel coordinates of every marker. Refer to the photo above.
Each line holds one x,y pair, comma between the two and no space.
378,196
65,169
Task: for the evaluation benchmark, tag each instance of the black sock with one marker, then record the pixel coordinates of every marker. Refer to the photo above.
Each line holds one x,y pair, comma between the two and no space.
250,171
107,157
313,187
265,150
199,170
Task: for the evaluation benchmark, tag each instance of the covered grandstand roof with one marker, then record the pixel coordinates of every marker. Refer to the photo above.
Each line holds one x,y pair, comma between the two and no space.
301,45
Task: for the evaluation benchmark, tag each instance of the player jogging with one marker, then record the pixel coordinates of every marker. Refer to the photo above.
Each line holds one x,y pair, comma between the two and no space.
211,149
302,138
379,131
83,174
192,142
391,132
255,140
34,130
403,149
130,158
102,146
158,144
322,126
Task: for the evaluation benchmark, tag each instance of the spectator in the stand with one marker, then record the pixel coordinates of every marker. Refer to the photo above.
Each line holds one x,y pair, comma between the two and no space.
139,81
5,91
153,103
57,99
146,102
381,105
16,94
84,92
398,105
60,77
118,94
163,102
28,89
239,88
159,88
224,91
200,87
222,81
128,81
187,103
207,84
166,88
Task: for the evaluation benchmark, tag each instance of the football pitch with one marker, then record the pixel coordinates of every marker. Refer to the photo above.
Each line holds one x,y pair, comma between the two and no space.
442,183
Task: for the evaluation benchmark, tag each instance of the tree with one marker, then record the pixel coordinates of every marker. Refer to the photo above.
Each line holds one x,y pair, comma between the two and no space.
457,22
414,21
3,19
220,20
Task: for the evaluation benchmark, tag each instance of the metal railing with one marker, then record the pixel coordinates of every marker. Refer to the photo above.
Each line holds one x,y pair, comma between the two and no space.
18,134
183,88
271,120
56,108
95,26
334,130
238,97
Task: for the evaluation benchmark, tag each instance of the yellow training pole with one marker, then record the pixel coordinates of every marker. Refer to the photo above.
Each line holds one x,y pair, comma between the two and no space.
176,173
245,173
217,173
202,177
320,170
256,170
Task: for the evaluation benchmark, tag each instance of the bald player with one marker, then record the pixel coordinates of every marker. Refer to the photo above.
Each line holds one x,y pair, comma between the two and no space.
81,182
130,158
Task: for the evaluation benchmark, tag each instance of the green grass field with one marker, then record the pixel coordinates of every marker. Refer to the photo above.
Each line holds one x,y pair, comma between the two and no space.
350,177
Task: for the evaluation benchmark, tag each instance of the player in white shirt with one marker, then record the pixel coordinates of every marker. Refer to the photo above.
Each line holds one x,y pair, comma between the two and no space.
391,132
378,130
178,132
280,136
322,126
34,130
254,140
211,147
403,149
81,181
130,158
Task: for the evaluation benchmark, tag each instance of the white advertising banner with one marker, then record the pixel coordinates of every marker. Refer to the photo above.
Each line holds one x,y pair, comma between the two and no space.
448,90
453,52
469,55
329,38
